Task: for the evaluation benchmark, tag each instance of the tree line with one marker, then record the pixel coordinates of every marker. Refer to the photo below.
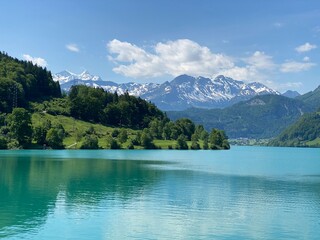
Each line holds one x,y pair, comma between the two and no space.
23,81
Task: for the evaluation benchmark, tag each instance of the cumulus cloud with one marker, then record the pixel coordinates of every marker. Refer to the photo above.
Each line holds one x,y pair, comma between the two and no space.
294,66
73,47
256,68
260,60
182,56
305,47
35,60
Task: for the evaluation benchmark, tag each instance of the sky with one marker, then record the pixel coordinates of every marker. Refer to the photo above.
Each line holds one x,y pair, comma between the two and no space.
275,42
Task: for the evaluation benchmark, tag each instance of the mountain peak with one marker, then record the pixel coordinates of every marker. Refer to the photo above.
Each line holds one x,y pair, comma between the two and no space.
67,76
291,94
182,92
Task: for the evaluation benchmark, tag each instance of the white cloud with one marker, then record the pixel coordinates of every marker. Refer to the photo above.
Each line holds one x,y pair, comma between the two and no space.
260,60
73,47
35,60
294,66
182,56
257,68
306,59
305,47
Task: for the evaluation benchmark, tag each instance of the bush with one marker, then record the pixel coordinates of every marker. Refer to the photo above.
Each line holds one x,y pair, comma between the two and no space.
182,143
90,142
114,144
3,143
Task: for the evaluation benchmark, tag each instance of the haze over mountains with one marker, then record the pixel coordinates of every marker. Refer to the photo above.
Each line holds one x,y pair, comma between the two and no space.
179,94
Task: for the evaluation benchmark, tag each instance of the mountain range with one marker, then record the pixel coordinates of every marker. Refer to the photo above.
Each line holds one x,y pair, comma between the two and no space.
179,94
260,117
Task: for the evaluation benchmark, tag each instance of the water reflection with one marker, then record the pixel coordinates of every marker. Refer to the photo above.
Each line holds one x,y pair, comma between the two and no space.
29,186
43,197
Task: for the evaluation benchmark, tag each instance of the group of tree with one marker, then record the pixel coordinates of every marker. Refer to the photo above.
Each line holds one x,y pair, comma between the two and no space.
179,132
301,134
99,106
23,81
17,131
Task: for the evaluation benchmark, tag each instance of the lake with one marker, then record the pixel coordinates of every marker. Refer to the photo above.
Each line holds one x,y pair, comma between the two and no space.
244,193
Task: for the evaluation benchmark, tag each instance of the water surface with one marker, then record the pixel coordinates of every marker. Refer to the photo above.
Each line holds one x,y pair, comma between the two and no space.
244,193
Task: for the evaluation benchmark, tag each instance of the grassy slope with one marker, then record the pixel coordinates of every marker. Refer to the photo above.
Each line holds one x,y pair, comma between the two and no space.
73,126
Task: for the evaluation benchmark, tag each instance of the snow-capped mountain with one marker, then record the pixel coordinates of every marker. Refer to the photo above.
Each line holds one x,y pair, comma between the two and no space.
182,92
66,76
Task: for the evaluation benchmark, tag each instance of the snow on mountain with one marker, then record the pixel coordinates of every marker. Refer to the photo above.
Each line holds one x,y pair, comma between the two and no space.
66,76
182,92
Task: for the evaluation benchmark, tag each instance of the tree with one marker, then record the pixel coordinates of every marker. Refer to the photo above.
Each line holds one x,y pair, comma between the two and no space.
186,127
3,143
19,123
40,131
54,138
146,140
194,142
90,142
182,142
205,143
114,144
123,136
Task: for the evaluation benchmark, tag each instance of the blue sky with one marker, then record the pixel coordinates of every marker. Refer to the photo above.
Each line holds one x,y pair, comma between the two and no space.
276,42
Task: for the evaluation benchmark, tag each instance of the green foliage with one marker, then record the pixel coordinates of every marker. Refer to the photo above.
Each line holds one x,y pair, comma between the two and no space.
123,136
56,106
40,131
96,105
54,138
130,146
194,142
311,98
113,143
19,123
205,144
115,133
90,142
22,81
186,127
182,142
3,143
300,134
260,117
146,140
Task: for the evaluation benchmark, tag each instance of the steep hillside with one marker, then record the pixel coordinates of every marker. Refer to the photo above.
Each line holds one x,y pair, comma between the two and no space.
312,98
22,81
304,133
260,117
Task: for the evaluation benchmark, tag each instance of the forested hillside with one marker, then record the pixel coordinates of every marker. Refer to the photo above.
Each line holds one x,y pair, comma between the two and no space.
311,98
260,117
304,133
22,81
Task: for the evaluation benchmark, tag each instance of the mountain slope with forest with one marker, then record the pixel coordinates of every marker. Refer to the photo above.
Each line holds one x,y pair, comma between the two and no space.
311,98
303,133
22,81
260,117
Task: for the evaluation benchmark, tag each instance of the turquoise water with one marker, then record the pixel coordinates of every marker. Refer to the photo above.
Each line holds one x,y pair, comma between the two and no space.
244,193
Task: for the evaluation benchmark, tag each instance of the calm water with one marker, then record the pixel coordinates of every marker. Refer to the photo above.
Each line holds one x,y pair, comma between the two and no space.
244,193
